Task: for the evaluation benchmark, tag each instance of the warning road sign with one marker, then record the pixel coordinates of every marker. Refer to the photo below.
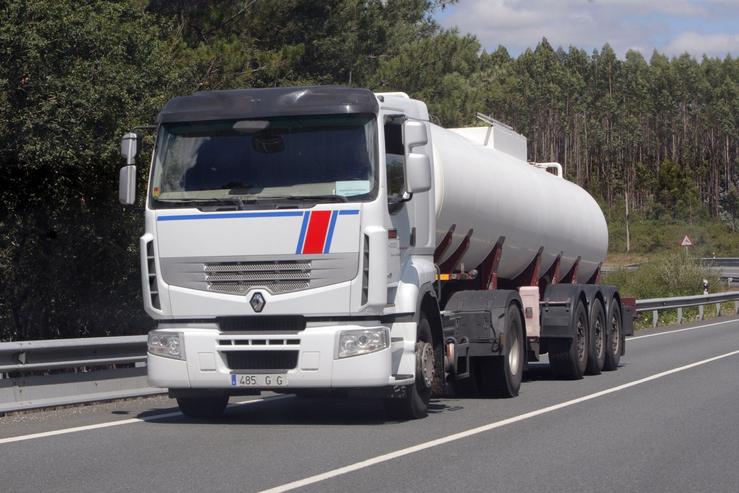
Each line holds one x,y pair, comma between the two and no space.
686,242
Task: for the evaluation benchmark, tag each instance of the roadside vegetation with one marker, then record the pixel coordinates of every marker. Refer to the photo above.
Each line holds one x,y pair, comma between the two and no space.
76,75
665,275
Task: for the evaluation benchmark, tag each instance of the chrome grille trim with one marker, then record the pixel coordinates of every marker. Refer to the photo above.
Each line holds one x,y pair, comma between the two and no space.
222,267
278,274
258,276
274,287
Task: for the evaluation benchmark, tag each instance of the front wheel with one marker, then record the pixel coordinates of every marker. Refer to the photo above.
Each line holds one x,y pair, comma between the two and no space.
414,404
203,407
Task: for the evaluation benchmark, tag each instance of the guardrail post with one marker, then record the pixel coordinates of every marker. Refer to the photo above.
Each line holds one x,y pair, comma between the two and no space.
655,318
736,307
718,310
680,315
700,312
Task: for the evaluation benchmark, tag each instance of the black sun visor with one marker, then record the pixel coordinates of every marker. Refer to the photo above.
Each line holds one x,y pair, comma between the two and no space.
264,103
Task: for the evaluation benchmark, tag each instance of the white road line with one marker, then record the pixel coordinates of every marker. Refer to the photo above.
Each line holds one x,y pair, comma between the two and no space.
481,429
675,331
121,422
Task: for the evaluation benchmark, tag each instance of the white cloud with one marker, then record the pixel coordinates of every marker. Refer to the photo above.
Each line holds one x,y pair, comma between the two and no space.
717,45
589,24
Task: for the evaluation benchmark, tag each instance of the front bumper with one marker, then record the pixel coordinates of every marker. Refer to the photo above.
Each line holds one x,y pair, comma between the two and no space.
210,356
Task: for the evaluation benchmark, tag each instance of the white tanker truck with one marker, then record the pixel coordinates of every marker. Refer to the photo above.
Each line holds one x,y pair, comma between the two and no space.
329,240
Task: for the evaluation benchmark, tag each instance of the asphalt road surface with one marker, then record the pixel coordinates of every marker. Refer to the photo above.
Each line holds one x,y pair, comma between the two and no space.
667,420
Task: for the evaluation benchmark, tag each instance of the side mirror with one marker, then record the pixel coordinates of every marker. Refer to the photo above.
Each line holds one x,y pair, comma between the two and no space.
129,146
127,185
127,175
414,135
418,173
417,165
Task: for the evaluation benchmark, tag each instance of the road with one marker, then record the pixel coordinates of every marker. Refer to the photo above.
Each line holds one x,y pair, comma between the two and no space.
667,420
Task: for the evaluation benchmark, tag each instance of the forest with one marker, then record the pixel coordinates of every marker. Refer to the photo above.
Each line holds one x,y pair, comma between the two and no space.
77,74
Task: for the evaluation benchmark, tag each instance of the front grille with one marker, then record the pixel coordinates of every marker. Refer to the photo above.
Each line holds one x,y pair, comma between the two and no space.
286,324
240,277
261,360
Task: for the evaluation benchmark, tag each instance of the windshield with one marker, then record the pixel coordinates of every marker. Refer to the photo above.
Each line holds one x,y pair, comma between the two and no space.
310,158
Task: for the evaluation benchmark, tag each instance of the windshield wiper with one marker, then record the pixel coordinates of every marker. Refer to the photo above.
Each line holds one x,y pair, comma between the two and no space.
305,198
238,202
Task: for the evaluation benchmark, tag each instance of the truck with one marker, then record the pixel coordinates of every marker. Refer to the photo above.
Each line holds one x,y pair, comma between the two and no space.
334,241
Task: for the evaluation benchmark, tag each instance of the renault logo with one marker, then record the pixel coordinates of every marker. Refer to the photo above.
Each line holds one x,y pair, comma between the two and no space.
257,302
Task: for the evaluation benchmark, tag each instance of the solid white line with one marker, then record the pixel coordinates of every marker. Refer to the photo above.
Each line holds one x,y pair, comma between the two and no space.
120,422
675,331
481,429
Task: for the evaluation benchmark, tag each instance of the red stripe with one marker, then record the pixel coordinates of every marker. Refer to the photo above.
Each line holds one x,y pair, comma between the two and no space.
316,235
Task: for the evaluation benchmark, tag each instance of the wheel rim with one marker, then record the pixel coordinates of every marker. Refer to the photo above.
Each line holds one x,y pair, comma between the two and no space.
425,363
581,338
615,335
598,333
514,355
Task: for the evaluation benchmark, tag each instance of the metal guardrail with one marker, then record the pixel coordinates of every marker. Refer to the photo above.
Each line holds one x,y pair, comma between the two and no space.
35,374
720,261
680,302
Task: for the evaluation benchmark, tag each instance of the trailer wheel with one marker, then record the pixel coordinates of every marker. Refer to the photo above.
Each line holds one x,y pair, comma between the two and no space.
203,407
597,349
614,337
415,403
500,376
569,357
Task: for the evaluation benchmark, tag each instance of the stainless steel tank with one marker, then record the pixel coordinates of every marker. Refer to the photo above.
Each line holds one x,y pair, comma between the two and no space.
496,193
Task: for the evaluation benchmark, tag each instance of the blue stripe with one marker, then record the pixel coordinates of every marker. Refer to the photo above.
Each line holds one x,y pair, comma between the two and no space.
303,229
330,234
231,216
349,212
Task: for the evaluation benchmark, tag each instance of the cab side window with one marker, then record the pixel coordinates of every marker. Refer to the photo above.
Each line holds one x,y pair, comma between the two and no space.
394,159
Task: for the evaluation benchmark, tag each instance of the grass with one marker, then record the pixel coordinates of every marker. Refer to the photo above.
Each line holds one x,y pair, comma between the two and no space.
650,237
672,274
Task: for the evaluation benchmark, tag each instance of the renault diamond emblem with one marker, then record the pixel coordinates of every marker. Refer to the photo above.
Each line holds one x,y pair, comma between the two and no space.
257,302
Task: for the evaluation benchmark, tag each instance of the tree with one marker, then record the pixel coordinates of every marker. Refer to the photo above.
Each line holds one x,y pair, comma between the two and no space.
74,76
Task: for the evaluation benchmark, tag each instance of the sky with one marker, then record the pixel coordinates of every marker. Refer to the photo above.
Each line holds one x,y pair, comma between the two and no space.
672,27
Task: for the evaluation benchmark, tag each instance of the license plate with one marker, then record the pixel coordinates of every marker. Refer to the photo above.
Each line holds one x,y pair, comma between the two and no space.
259,380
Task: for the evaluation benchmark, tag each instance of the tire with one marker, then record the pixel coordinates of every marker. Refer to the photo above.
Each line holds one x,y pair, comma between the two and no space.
597,346
500,376
614,337
417,396
568,358
203,407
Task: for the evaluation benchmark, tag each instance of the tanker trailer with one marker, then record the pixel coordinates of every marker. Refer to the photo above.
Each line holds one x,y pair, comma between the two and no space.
505,227
333,241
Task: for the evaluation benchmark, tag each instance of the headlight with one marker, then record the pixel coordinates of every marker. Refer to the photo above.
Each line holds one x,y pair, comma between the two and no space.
363,341
167,344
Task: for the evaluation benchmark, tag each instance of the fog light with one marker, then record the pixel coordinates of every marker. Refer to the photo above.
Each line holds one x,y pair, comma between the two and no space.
363,341
167,344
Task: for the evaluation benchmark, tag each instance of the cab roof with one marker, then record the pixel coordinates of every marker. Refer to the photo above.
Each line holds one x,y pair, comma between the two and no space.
270,102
